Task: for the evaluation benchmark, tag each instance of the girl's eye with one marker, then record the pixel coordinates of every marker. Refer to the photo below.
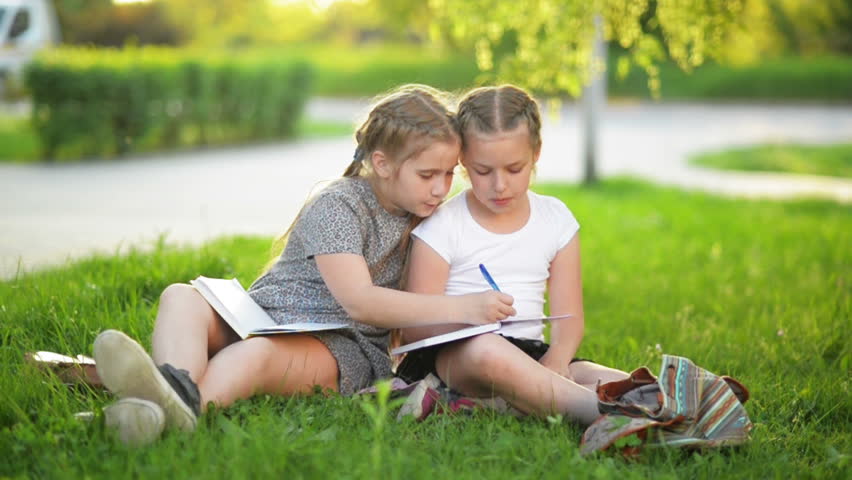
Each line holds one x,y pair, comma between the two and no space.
513,170
478,172
425,176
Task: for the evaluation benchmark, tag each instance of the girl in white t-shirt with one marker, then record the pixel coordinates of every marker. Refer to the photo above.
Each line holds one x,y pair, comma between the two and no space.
529,243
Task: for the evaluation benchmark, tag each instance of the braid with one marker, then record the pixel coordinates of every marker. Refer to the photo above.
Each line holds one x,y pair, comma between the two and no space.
492,110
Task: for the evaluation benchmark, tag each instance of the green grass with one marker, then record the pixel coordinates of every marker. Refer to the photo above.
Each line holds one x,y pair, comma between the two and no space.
820,79
828,160
371,70
758,290
310,128
20,144
18,141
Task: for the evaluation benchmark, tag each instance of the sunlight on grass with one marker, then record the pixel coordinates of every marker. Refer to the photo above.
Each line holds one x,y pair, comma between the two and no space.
758,290
18,142
828,160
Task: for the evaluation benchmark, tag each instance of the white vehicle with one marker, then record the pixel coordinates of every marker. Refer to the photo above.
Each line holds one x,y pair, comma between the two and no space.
26,26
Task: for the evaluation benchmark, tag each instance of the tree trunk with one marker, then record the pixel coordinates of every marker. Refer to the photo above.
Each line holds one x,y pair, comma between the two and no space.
593,103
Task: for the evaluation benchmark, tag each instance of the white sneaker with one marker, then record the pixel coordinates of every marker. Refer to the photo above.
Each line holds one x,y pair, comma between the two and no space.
137,422
128,371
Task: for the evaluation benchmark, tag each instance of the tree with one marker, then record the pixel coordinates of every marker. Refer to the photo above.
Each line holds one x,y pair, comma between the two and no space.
553,40
224,23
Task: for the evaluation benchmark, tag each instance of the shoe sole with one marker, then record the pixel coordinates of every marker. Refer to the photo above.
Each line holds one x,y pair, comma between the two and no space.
128,371
137,422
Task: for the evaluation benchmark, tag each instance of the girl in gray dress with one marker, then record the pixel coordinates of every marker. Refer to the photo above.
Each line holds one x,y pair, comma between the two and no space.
342,262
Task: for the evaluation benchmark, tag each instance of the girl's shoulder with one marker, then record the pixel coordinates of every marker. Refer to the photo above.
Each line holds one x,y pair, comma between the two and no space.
348,186
450,208
446,219
555,218
457,202
550,207
354,192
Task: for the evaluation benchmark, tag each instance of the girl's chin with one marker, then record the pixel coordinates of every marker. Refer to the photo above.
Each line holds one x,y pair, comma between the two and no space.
426,210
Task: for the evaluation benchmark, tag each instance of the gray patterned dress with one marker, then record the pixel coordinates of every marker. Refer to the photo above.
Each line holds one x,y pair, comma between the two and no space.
343,218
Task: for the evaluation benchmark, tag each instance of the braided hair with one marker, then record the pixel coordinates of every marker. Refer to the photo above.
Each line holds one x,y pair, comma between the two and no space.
402,124
491,110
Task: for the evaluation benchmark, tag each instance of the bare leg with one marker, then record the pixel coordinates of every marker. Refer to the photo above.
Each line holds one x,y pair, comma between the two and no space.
588,374
188,331
489,365
282,364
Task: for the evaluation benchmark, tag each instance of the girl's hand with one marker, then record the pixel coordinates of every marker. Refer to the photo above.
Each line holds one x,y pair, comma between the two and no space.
486,307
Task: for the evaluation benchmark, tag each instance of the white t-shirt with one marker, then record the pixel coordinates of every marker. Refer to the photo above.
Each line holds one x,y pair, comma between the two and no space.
519,262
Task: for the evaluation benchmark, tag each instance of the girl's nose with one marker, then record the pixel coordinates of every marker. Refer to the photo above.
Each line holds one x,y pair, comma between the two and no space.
440,188
499,182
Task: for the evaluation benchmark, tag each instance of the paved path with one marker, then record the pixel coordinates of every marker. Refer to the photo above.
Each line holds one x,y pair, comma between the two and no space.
50,213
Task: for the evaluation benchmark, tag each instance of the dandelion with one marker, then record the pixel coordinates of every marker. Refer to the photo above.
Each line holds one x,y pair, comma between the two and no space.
780,332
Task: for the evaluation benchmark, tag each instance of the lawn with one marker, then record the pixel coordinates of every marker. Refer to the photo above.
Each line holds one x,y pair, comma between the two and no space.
759,290
828,160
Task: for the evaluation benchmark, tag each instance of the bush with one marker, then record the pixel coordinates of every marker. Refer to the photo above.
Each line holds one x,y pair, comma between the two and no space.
89,102
105,23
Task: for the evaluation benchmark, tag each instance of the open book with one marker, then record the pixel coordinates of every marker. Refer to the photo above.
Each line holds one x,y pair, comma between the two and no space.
233,303
72,370
470,332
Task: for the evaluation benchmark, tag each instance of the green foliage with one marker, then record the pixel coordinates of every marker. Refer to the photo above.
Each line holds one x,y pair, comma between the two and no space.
551,42
755,289
236,23
104,23
810,28
554,38
378,410
829,160
90,102
369,70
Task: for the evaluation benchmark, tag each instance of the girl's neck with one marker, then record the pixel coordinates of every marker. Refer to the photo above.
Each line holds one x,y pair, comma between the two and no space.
503,222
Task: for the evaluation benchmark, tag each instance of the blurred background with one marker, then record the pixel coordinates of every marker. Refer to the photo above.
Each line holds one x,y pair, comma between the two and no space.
122,121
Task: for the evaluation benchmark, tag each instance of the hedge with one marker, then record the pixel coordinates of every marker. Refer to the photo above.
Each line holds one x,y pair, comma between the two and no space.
105,102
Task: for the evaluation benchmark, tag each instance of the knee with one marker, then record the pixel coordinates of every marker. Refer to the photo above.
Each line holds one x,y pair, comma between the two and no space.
178,294
181,303
483,354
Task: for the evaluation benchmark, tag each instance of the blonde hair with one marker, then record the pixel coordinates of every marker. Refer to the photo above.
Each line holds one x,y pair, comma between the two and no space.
490,110
401,124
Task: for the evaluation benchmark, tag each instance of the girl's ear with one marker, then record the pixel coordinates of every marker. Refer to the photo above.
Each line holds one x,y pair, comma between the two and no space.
536,155
381,164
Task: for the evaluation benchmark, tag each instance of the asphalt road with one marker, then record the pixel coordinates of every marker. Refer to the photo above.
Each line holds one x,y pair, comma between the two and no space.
52,213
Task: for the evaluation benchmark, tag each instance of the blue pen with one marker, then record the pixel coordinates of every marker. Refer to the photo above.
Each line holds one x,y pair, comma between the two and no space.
488,277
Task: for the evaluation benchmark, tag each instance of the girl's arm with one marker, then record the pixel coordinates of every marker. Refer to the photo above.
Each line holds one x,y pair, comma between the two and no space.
427,273
349,281
566,297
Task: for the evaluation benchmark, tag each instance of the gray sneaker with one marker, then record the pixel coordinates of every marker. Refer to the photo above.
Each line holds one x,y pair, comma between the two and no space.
129,372
137,422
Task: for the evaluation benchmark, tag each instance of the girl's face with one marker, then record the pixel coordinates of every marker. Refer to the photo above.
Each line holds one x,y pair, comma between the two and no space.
500,167
420,184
